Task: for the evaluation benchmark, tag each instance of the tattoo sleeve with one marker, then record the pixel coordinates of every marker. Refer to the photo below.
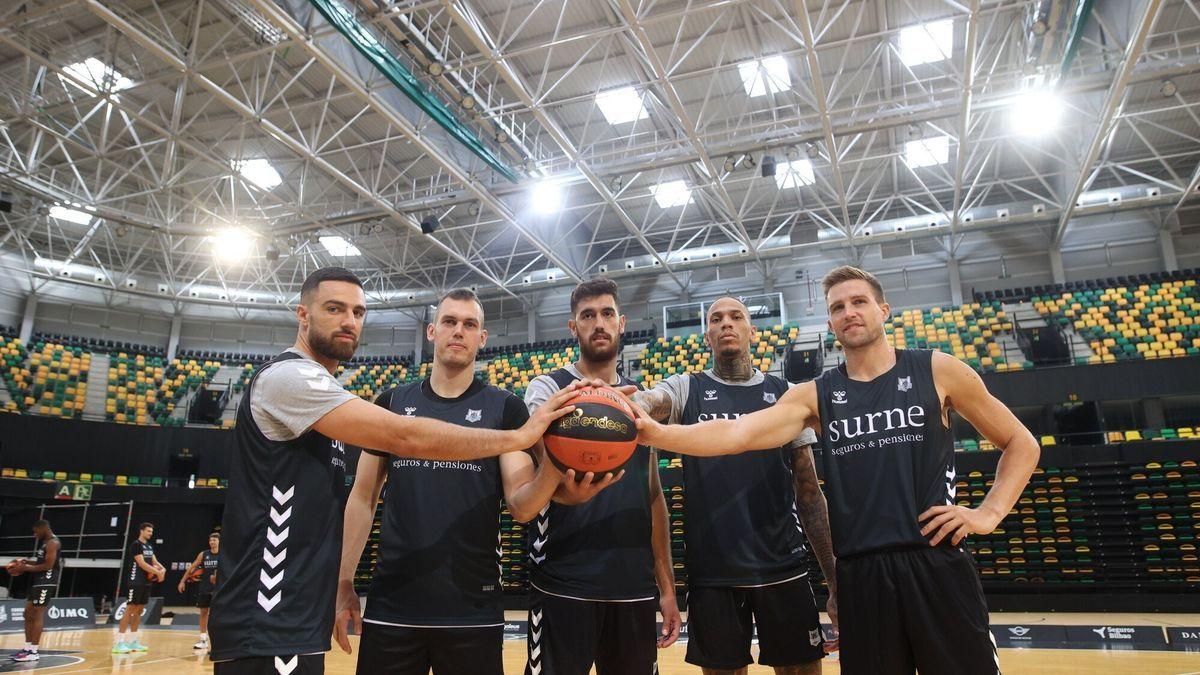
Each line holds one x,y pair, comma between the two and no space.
814,513
656,403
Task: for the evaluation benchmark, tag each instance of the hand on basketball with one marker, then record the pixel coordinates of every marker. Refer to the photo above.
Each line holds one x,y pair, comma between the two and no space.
16,567
955,522
347,612
552,409
575,490
672,622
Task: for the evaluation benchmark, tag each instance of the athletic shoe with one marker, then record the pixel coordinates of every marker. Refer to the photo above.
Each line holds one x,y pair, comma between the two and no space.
25,655
138,647
201,644
121,648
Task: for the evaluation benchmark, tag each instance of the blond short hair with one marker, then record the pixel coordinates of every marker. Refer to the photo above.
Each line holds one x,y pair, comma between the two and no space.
851,273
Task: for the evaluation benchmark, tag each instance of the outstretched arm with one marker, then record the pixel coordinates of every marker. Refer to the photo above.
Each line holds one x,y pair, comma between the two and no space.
964,391
768,428
369,426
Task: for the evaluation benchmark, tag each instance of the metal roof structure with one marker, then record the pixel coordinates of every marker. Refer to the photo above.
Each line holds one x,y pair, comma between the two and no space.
139,119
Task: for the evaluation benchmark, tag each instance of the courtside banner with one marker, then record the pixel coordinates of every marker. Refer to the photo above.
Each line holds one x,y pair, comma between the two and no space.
61,613
151,613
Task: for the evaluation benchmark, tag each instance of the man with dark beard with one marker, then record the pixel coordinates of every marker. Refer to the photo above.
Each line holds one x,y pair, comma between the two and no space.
282,527
596,564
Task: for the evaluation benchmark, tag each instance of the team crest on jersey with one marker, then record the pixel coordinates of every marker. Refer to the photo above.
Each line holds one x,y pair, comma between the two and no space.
904,383
839,397
769,397
474,415
410,410
710,394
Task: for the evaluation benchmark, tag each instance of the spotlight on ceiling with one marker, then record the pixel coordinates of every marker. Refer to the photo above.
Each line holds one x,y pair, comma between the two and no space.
429,224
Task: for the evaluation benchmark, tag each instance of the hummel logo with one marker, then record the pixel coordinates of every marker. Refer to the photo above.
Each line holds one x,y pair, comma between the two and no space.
409,411
710,394
769,397
286,667
904,383
474,415
839,397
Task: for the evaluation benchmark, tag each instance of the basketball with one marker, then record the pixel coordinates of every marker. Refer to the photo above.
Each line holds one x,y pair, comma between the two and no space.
598,436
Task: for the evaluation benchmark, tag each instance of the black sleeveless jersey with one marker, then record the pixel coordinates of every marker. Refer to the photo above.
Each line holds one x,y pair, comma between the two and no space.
209,567
281,541
439,562
742,525
51,576
137,575
886,454
598,550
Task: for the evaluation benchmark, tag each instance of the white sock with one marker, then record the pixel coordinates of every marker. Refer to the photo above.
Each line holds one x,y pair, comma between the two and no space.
120,636
29,646
32,648
204,637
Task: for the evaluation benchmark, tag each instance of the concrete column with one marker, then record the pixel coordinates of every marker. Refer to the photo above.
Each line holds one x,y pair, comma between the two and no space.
1155,419
531,318
419,343
173,341
1056,266
1166,244
26,332
956,289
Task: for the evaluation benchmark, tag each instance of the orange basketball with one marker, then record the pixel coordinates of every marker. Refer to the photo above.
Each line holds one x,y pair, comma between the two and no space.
598,436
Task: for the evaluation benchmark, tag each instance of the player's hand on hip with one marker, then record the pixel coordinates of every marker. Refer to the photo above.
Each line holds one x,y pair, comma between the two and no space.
671,623
347,613
573,490
955,523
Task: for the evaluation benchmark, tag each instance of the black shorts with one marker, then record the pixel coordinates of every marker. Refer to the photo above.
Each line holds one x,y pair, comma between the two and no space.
402,650
721,621
204,600
308,664
138,595
913,610
40,596
566,636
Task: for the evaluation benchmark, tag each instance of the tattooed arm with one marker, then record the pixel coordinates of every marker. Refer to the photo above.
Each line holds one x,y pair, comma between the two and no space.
656,402
814,515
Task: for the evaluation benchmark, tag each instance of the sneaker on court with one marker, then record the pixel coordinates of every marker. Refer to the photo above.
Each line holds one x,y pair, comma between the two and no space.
25,655
121,648
136,646
200,644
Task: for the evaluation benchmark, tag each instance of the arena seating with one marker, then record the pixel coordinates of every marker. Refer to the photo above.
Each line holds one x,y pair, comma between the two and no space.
1027,293
1156,320
141,390
56,380
689,354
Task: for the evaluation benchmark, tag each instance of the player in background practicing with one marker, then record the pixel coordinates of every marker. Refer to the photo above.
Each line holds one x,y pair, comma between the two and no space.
144,569
47,571
206,563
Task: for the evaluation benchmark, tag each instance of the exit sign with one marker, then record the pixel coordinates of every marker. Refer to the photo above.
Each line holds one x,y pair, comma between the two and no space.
80,492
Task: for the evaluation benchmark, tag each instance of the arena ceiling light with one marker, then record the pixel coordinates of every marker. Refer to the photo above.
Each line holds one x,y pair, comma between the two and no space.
765,76
99,75
258,171
1036,112
794,174
621,106
338,246
546,197
70,215
671,194
927,152
232,245
927,42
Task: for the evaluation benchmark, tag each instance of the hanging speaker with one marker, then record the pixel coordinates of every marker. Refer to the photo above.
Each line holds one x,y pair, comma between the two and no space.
6,202
430,224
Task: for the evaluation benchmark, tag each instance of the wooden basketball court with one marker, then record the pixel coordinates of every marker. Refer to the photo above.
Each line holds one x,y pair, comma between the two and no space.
87,651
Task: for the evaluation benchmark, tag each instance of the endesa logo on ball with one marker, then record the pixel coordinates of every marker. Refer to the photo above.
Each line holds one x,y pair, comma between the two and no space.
579,419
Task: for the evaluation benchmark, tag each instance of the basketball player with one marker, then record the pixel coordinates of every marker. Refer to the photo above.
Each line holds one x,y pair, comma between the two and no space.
282,529
435,599
144,569
909,596
745,549
47,568
595,565
207,562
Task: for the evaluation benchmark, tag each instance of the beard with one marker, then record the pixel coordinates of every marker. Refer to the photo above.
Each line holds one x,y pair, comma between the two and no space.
326,346
600,354
867,337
